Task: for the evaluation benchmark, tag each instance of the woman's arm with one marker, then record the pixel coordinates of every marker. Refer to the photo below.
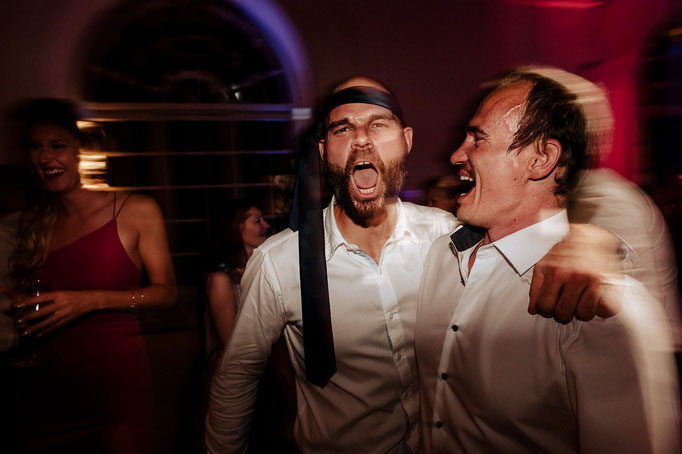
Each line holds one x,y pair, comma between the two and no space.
222,302
142,220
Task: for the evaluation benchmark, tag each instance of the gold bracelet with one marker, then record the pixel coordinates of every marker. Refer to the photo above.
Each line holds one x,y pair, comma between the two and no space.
133,304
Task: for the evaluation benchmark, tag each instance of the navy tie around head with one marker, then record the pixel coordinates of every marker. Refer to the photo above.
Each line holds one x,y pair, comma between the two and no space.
466,237
306,217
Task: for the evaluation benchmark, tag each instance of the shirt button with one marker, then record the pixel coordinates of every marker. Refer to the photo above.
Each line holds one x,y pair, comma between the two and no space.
399,356
454,327
444,376
390,317
439,424
405,395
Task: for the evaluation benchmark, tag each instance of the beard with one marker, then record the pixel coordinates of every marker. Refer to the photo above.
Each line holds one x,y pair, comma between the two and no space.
363,211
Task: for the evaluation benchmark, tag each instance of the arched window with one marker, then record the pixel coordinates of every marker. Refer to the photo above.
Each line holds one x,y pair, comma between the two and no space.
197,107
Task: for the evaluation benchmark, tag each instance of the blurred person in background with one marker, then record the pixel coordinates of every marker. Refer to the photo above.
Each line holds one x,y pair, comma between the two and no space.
605,198
243,229
240,228
16,193
78,267
8,333
442,192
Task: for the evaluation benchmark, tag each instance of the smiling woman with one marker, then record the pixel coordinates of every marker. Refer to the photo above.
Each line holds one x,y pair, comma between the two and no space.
84,252
54,156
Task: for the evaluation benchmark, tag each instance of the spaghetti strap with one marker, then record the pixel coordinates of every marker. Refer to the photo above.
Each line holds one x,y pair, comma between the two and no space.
121,207
113,214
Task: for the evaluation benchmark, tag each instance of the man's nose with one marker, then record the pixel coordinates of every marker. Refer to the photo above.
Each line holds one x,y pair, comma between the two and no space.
361,137
459,156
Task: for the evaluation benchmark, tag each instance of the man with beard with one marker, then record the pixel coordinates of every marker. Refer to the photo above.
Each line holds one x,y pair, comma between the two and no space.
374,248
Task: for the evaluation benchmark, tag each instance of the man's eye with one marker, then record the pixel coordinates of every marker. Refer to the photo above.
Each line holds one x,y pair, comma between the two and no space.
377,125
341,130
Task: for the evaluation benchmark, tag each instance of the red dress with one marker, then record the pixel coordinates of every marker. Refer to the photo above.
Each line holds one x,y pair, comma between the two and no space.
92,391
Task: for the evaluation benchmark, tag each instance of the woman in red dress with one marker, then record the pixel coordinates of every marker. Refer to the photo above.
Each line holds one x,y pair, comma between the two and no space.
91,390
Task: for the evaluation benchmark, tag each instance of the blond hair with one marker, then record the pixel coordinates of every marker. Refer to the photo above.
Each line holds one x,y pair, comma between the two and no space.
33,238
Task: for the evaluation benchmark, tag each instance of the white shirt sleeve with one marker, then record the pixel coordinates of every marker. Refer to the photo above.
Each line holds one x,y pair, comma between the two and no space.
259,322
621,379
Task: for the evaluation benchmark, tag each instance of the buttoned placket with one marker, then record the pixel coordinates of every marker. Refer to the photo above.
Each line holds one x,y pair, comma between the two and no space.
457,328
395,334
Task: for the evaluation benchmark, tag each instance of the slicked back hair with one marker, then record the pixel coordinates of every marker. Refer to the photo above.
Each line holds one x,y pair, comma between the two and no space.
553,112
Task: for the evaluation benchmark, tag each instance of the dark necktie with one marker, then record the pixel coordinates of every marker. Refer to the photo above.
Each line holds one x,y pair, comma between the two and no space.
306,217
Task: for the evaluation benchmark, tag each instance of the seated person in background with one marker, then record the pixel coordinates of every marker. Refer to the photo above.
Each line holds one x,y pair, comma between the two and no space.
494,379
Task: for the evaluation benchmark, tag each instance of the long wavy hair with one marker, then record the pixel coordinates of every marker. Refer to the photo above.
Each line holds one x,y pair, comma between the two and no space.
38,221
230,252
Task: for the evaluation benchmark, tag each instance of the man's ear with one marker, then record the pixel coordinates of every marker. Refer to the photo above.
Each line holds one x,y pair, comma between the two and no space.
546,158
320,146
408,133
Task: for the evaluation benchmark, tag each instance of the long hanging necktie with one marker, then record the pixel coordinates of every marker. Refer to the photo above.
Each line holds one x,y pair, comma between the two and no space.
306,217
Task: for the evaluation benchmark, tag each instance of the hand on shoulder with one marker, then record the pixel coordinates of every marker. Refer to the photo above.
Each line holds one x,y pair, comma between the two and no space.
572,280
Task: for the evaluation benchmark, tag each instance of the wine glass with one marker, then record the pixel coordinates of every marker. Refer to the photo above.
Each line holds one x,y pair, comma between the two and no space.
26,352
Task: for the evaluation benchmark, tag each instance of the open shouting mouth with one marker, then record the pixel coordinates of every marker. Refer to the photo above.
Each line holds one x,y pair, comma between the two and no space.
365,177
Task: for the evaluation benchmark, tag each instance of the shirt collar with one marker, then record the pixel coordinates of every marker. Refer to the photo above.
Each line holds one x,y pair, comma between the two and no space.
332,235
334,239
524,248
403,226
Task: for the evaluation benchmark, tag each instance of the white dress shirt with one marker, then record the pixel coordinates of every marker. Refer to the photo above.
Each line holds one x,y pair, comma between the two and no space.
496,379
371,404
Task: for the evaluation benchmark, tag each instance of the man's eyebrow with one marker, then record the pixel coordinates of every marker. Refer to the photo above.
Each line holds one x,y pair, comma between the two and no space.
389,117
334,124
346,121
475,131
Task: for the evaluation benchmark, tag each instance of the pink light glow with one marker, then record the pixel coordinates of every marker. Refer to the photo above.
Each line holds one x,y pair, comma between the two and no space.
565,4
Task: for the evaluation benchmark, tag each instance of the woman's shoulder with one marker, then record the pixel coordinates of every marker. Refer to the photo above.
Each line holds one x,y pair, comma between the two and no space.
223,278
139,211
138,203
